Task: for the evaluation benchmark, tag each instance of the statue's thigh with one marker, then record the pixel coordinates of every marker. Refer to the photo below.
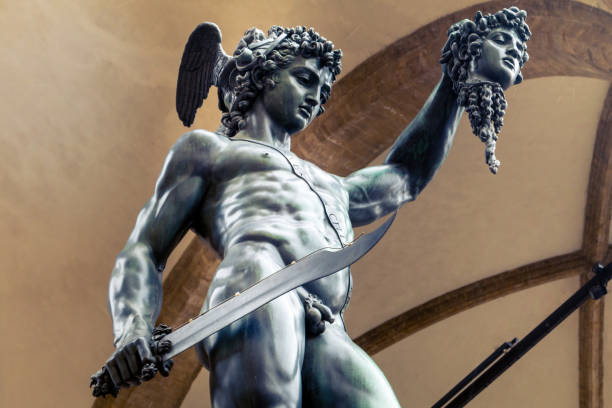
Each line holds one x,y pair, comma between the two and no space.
337,373
257,360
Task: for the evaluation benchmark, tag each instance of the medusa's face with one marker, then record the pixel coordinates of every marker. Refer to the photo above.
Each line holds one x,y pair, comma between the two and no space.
301,88
500,59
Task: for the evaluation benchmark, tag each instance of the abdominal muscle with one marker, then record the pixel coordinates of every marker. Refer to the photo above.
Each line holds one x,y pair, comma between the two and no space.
264,221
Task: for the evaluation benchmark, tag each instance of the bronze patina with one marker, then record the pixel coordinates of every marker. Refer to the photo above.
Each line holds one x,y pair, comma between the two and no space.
261,207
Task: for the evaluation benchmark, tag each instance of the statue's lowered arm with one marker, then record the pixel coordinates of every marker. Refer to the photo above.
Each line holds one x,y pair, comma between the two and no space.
135,286
135,293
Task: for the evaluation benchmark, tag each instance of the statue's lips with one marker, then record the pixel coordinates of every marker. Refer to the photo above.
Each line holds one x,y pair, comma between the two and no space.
305,112
509,62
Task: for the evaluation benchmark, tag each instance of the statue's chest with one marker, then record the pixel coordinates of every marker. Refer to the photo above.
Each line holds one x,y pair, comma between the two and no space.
243,158
247,162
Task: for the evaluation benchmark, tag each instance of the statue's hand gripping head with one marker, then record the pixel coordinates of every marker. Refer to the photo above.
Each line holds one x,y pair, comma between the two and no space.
483,58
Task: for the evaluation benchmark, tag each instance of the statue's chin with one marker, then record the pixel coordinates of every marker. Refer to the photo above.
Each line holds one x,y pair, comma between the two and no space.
505,82
504,78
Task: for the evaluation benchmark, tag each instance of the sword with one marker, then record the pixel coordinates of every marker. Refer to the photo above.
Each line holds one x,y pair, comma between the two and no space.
319,264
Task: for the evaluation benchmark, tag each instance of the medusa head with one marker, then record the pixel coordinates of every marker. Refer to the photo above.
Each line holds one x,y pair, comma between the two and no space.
483,57
473,45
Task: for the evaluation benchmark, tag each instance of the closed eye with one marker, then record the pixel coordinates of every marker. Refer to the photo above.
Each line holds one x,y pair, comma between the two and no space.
305,76
500,40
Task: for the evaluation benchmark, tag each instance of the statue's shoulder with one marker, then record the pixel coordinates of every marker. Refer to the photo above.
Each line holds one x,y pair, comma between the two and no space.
196,151
199,144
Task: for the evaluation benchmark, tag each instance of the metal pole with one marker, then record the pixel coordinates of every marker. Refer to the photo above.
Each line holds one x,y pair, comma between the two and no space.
594,288
475,373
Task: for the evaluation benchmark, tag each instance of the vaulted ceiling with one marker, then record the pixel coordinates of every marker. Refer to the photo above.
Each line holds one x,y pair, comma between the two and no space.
475,261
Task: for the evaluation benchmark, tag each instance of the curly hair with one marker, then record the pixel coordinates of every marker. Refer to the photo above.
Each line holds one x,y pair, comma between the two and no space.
486,105
485,102
255,67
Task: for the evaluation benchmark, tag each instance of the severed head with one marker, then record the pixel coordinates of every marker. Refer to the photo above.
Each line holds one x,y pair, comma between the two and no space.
483,58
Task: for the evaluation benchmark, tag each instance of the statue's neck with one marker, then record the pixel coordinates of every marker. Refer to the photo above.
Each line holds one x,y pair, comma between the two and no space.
260,127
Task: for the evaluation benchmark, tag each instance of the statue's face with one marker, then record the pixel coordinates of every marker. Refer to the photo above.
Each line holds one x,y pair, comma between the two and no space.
500,59
300,90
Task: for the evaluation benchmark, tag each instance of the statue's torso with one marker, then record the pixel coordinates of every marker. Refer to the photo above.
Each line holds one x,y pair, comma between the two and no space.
255,196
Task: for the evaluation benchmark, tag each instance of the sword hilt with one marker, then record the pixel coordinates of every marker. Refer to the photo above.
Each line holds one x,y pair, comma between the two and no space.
102,382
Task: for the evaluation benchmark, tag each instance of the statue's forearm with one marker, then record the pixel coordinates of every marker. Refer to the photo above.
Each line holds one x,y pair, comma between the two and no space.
424,144
135,293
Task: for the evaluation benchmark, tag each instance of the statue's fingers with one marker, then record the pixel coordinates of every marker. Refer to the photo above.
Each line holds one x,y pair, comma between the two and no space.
144,351
133,362
133,358
124,369
113,372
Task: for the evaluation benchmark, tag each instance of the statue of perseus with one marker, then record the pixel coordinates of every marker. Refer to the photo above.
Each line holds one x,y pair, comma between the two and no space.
261,207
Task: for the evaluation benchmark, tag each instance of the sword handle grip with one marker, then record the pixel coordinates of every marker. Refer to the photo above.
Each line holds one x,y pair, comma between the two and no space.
102,382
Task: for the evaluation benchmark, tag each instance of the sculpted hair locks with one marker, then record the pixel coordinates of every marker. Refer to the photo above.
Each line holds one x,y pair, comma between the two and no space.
255,68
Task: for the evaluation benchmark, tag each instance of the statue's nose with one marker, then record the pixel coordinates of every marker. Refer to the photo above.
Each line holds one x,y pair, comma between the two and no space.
311,100
513,52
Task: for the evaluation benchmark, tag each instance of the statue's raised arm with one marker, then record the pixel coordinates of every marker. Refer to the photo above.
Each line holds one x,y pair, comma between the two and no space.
480,59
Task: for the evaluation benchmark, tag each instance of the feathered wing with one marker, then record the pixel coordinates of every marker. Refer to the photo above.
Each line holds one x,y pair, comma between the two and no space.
202,62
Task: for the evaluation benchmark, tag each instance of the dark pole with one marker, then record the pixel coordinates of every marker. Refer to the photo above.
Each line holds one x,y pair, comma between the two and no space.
475,373
594,288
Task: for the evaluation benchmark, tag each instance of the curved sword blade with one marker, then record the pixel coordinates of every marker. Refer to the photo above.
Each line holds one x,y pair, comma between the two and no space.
317,265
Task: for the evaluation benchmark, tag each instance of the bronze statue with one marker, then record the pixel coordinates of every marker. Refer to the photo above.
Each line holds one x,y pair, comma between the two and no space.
261,208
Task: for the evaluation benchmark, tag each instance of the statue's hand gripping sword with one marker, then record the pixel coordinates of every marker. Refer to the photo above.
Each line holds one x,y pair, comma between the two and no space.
166,344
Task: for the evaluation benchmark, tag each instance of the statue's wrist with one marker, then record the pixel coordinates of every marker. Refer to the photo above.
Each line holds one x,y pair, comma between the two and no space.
446,83
136,327
130,337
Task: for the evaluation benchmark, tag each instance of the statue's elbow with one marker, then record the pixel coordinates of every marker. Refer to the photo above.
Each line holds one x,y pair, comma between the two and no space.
412,190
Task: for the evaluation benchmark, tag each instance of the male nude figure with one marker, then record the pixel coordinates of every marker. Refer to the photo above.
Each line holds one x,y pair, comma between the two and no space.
261,207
